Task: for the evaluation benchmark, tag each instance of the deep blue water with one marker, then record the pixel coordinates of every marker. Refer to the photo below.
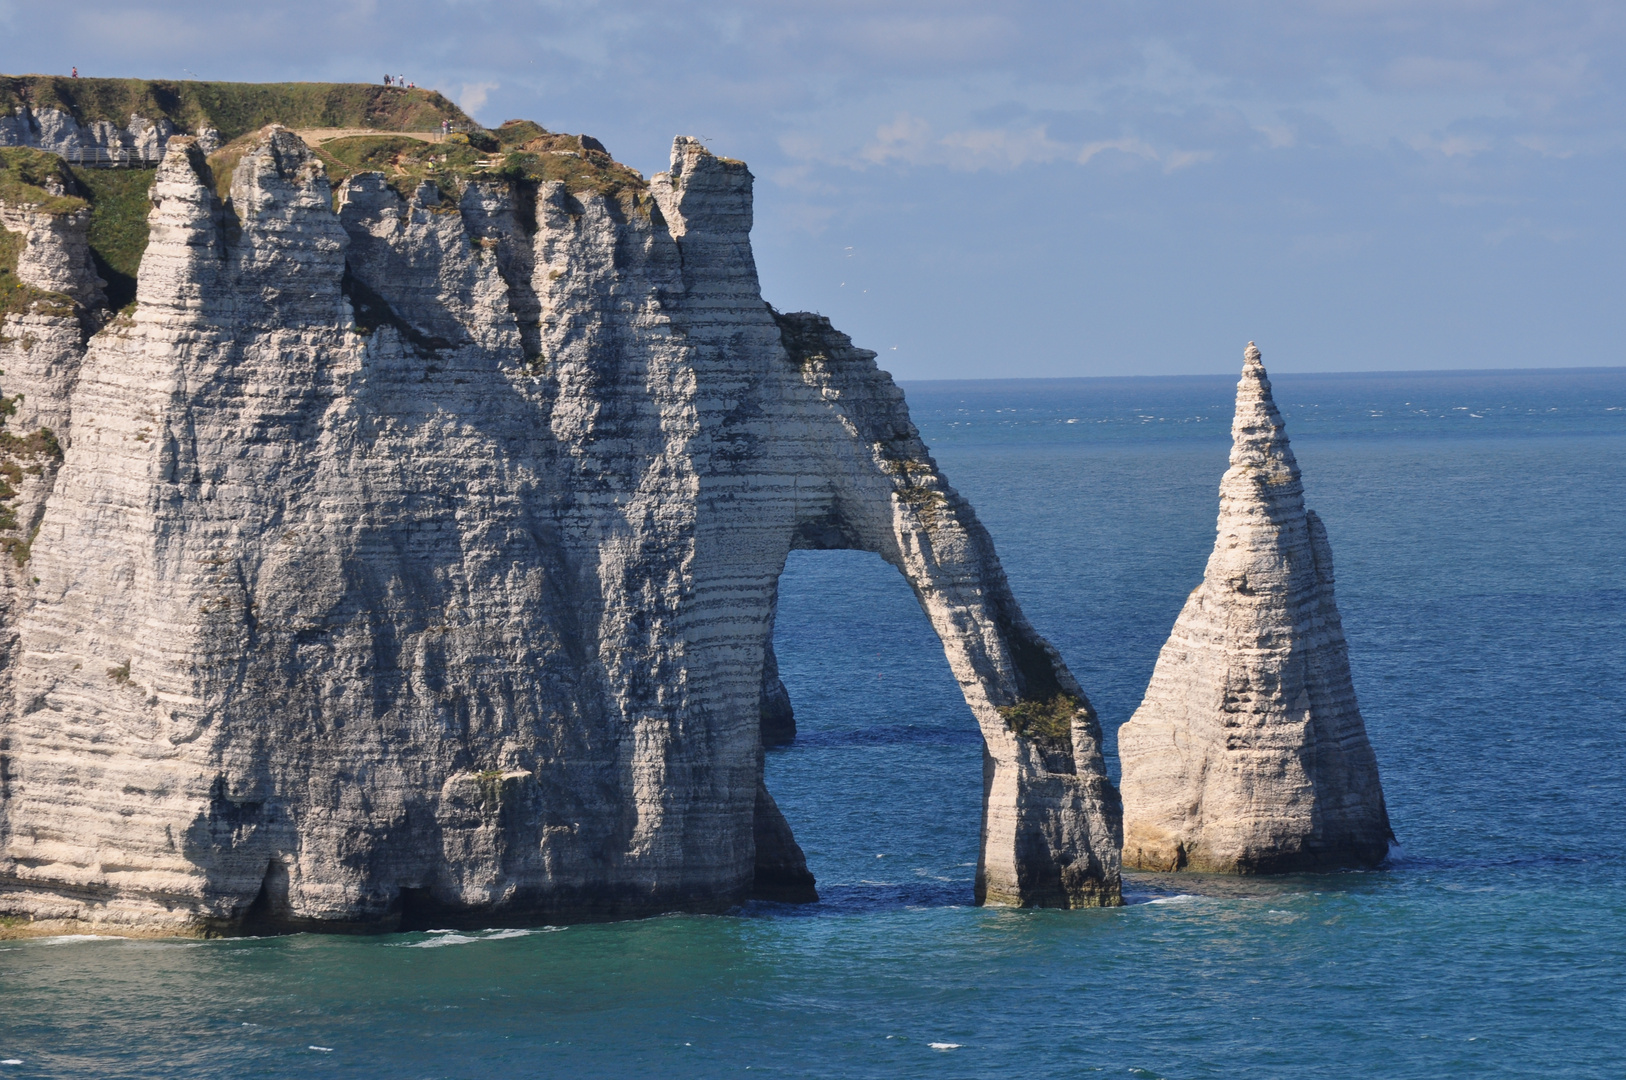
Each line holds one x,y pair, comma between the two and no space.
1479,524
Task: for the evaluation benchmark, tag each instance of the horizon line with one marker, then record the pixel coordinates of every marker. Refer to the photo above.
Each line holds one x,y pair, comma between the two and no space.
1313,374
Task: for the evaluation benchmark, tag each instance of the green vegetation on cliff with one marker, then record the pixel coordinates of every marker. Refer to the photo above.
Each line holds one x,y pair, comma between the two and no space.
20,456
1044,720
234,108
40,181
118,219
517,151
37,178
119,205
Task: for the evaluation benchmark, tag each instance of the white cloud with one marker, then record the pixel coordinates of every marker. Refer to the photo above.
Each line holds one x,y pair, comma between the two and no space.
1171,160
472,96
1001,148
1126,145
907,139
910,140
1175,160
1451,146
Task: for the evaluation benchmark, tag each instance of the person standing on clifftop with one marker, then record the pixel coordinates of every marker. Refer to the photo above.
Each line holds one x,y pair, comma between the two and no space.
386,80
76,72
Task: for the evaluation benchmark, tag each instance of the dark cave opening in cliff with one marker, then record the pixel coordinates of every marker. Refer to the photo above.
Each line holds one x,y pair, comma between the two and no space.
882,785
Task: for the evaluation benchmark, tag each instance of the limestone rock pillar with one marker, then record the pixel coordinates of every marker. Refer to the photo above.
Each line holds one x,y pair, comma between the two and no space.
1249,754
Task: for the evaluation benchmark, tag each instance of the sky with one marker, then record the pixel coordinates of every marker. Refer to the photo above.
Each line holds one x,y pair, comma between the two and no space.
1043,188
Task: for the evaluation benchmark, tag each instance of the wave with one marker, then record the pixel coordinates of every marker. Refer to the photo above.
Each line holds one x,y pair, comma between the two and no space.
443,938
70,939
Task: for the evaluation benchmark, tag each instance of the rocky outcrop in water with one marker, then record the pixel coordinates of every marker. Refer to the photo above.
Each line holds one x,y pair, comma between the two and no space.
1249,753
415,561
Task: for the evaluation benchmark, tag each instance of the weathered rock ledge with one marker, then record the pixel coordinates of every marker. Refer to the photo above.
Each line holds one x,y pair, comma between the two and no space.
1249,754
414,562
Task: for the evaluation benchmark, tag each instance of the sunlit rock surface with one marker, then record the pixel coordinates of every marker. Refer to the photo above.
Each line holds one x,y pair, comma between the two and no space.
1249,753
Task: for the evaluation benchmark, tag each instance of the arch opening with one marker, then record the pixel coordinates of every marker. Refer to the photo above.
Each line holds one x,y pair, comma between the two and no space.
883,782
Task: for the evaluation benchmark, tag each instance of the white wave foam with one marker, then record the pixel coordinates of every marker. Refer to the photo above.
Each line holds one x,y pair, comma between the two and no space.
448,937
12,1061
323,1049
69,939
503,935
944,1046
1182,898
454,937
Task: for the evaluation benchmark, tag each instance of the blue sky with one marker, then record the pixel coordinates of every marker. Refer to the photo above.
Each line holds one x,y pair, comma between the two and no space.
1043,188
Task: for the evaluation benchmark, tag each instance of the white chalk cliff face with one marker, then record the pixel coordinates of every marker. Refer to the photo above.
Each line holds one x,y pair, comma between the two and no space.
139,142
1248,753
416,561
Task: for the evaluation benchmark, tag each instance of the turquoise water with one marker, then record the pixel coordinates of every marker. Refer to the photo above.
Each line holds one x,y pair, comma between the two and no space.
1479,522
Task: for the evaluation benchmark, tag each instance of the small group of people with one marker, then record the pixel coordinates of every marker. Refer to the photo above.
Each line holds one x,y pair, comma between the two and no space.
400,81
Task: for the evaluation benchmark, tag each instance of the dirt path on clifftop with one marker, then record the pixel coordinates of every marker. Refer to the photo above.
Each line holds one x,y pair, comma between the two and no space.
315,137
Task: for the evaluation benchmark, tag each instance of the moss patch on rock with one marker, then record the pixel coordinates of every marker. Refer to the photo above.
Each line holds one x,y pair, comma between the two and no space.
20,456
1050,720
16,297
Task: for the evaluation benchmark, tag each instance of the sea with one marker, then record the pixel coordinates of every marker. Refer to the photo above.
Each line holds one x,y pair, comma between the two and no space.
1478,522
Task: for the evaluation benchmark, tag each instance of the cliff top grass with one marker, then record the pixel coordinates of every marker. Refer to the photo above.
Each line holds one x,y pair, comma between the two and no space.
519,150
234,108
38,178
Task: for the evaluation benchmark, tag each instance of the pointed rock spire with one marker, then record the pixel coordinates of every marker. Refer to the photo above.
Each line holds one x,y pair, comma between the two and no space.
1248,753
181,263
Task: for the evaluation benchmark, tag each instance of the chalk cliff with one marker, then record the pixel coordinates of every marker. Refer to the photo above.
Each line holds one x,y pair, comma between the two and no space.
1249,753
138,141
411,555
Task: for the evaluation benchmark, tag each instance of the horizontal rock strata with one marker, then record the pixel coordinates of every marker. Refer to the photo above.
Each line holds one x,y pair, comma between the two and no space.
414,562
1249,754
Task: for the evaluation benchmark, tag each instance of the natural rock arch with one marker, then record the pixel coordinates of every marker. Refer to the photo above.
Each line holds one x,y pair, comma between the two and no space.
434,543
878,490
